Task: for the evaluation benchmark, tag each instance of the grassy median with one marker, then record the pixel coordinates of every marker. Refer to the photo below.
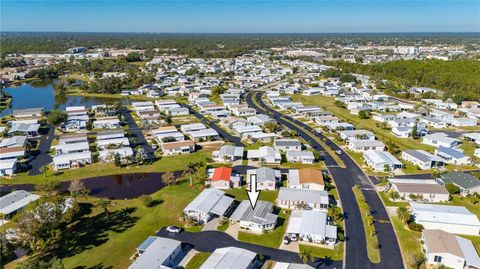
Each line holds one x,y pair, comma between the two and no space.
373,250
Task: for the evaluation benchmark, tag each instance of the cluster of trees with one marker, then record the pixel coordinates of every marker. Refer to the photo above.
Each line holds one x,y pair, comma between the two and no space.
458,79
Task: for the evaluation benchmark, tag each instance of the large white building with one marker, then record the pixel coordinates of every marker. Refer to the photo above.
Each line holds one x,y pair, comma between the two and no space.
452,219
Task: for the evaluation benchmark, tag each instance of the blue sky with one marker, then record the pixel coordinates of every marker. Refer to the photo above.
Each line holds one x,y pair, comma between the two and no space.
241,16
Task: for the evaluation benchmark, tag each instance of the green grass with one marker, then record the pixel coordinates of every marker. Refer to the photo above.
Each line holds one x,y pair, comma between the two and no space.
386,200
167,163
409,242
335,254
197,260
241,194
271,239
372,241
329,104
111,241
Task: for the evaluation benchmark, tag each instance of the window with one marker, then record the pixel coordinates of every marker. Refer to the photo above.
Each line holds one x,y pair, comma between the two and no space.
437,258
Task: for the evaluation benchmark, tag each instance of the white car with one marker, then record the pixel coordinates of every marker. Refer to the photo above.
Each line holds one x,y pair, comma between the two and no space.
174,229
293,237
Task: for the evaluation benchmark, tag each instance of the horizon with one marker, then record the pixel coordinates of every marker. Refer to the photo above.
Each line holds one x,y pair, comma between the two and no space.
242,16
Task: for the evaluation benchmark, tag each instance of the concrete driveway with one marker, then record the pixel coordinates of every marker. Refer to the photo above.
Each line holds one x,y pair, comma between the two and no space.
211,225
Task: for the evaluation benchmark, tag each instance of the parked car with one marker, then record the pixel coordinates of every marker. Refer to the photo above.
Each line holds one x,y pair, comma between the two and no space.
293,237
174,229
286,240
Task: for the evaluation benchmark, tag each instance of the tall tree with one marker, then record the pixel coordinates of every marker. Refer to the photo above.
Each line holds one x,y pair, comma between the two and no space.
105,204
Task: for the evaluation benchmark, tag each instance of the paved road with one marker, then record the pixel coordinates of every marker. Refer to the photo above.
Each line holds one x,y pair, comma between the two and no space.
345,179
42,158
138,134
208,241
224,134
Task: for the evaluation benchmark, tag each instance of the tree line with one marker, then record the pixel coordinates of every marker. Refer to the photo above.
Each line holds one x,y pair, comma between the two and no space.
457,79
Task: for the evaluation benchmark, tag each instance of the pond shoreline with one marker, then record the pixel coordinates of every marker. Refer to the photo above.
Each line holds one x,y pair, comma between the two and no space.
121,186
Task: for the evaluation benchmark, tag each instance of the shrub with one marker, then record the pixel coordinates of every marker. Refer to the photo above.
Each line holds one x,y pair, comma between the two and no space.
415,226
146,200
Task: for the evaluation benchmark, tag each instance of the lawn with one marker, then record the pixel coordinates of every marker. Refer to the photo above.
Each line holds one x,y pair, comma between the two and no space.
409,242
197,260
386,200
99,241
335,254
241,194
372,241
271,239
328,103
168,163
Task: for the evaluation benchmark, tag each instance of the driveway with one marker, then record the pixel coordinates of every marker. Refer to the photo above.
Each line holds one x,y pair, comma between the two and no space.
211,240
345,179
138,134
211,225
42,158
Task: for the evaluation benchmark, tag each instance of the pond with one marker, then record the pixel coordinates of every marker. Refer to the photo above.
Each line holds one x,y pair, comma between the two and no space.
40,93
124,186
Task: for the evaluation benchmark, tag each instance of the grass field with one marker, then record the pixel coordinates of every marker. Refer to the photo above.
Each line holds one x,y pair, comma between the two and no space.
168,163
197,260
101,242
241,194
335,254
409,242
372,241
271,239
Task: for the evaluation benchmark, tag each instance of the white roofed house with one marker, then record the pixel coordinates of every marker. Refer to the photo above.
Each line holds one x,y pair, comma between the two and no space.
177,147
452,219
106,123
28,113
287,144
294,198
311,226
15,201
259,220
363,145
424,190
267,178
158,253
72,148
108,155
8,159
14,141
167,134
232,258
446,249
462,122
452,156
356,135
422,159
209,203
228,153
143,106
381,161
208,134
27,129
440,139
304,156
72,160
259,119
264,154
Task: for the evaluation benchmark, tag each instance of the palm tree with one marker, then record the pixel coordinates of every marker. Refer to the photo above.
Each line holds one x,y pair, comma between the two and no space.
306,255
192,168
105,204
403,213
43,170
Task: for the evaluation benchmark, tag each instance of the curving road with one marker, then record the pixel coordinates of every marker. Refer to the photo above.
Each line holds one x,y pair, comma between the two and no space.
345,178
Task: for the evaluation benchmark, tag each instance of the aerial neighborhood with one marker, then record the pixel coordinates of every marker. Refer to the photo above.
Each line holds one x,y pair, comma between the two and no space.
265,159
